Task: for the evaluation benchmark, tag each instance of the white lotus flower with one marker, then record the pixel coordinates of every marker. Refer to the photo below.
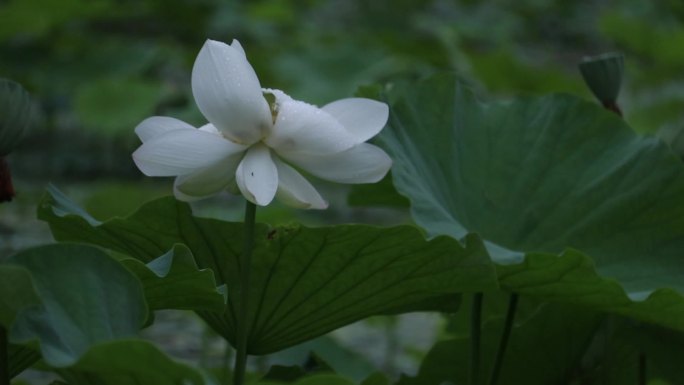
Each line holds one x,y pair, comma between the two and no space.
253,145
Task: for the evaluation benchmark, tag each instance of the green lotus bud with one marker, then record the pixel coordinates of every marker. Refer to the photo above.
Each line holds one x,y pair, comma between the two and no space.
603,74
16,113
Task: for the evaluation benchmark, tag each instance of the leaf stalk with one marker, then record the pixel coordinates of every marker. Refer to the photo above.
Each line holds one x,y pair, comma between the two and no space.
505,337
4,357
475,333
242,321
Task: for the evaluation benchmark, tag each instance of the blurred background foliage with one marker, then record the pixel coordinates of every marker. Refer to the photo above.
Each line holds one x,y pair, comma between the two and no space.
96,68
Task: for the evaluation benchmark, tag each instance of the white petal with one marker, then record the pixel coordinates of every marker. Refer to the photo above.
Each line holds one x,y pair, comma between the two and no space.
279,95
257,176
306,129
294,190
238,47
182,152
228,93
363,118
208,181
364,163
210,128
158,125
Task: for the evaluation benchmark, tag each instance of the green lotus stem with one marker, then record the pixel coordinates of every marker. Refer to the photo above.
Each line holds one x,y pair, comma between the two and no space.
475,331
228,361
245,267
505,337
4,357
642,369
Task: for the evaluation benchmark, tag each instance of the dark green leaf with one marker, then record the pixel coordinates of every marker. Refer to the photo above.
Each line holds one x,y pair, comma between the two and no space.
542,175
16,292
129,362
173,281
382,193
305,281
662,349
571,278
622,350
553,339
86,298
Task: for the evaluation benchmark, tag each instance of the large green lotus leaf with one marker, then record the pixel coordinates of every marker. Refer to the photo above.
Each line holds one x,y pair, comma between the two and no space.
86,298
663,350
173,281
553,339
129,362
16,293
543,175
382,193
620,348
305,281
571,278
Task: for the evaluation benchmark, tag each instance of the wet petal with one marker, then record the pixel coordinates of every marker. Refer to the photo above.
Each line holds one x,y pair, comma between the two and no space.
306,129
363,118
280,96
257,176
157,125
294,190
182,152
208,181
364,163
228,93
210,128
238,47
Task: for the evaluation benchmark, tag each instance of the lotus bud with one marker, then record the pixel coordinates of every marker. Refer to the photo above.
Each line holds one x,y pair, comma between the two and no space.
603,75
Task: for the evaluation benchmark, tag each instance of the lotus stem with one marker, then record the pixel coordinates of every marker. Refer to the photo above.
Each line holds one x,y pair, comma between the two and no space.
505,337
475,332
643,378
4,357
242,320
